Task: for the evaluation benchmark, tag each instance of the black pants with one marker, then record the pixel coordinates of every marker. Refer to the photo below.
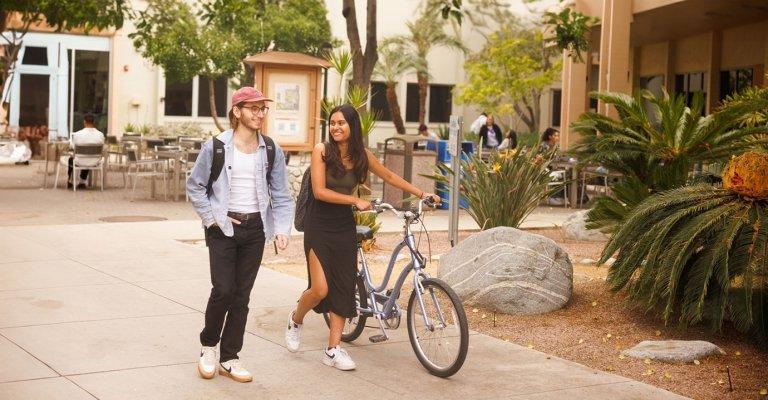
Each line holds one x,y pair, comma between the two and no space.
83,173
234,264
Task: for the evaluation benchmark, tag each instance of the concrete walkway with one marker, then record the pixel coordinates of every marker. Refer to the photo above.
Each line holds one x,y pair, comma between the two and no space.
113,311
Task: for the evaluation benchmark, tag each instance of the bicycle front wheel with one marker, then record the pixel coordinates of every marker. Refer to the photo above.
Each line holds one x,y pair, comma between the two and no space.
438,333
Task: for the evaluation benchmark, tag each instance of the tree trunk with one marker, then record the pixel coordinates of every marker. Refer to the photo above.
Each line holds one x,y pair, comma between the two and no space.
212,102
522,111
423,80
394,108
362,62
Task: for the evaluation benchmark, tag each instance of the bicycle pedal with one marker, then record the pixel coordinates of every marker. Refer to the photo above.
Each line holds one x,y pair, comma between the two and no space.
378,338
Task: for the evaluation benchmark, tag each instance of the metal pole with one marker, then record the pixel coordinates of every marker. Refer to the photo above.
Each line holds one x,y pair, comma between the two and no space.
454,149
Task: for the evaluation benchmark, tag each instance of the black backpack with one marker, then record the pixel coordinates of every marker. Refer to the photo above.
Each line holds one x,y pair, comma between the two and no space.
303,201
217,164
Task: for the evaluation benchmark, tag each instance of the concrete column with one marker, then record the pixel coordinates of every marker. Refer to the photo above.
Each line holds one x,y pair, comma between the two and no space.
574,98
713,70
614,51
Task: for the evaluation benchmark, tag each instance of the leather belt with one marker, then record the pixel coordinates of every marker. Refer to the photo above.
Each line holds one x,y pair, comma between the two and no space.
242,217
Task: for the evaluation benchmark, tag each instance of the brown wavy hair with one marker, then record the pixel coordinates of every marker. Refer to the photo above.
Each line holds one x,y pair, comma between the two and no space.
356,147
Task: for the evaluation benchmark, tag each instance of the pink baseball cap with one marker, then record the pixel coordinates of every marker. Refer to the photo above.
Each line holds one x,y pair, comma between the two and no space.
248,93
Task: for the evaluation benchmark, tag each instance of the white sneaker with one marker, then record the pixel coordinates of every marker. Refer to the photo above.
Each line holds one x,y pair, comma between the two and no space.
206,366
235,370
339,358
292,334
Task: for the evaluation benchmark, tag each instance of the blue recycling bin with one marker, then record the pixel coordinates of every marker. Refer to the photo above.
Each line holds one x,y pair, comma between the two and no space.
443,156
443,191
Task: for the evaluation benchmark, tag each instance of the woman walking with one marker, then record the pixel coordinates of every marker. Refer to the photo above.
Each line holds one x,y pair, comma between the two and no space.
330,246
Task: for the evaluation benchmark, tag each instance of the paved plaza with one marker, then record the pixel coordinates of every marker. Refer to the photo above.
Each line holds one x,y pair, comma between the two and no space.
113,310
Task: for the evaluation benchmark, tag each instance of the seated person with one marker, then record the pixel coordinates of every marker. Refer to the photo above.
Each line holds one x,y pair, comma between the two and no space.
509,142
490,134
87,135
550,140
424,131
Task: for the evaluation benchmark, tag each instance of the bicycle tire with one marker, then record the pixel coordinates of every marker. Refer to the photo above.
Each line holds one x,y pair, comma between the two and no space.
461,318
362,297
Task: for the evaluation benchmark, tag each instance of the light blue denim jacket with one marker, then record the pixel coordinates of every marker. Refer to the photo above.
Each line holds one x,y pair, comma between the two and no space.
276,212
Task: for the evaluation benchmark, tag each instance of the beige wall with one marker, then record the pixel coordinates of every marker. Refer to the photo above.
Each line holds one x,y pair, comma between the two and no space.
744,46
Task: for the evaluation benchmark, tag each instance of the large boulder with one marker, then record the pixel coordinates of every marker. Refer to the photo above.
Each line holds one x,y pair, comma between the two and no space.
575,227
509,271
673,351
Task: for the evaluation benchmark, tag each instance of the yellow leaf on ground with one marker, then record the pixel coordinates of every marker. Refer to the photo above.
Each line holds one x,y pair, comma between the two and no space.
720,381
530,345
621,356
594,303
482,316
697,362
647,361
581,341
738,353
647,372
658,333
763,392
475,310
668,375
609,336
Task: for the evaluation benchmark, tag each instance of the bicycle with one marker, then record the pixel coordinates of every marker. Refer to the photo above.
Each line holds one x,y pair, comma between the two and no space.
437,323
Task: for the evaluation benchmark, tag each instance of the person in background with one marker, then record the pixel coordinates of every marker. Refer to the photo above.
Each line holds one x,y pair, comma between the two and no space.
550,140
429,135
478,123
509,142
88,135
490,134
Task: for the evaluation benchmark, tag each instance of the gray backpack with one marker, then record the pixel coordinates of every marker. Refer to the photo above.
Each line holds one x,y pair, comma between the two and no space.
303,201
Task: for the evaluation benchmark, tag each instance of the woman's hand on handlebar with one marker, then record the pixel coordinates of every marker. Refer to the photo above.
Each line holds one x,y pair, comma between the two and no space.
362,205
432,198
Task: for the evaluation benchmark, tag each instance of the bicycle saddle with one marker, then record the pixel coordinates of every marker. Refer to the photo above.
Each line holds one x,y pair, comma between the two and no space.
364,233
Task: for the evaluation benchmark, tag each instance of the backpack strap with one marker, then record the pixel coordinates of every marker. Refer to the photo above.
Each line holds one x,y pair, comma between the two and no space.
217,164
270,145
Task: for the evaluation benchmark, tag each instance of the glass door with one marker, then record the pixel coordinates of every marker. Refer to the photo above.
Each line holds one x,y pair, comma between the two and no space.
88,88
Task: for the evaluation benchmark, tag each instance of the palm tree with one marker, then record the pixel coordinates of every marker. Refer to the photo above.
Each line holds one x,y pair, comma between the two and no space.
390,67
425,34
655,144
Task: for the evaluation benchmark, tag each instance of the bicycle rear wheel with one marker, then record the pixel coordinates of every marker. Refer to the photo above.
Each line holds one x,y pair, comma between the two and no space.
439,335
353,327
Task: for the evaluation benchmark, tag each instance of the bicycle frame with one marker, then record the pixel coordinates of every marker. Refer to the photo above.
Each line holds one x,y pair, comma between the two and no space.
377,294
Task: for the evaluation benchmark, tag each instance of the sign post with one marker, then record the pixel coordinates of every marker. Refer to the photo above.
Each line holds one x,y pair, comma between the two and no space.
454,149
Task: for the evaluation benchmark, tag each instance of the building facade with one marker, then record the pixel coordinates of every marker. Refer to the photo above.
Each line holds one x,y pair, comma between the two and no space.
60,76
682,46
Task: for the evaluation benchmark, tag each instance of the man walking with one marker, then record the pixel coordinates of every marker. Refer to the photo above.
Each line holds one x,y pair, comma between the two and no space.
239,187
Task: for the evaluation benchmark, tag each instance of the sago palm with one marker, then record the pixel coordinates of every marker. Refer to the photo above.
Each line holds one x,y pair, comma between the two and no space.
700,251
390,67
655,143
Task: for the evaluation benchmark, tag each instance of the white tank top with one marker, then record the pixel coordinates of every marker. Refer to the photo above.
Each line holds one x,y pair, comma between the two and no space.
242,191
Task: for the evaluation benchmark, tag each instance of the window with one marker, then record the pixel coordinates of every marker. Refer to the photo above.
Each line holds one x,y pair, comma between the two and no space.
179,98
557,96
203,98
412,103
689,84
440,103
379,104
734,81
35,56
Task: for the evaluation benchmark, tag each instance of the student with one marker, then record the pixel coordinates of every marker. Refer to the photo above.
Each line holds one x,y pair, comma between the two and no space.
88,135
337,167
248,204
490,134
509,142
550,140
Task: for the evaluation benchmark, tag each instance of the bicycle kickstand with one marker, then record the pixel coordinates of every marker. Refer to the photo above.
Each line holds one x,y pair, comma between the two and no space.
379,338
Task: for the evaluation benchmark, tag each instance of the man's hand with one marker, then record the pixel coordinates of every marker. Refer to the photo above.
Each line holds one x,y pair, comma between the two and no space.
282,241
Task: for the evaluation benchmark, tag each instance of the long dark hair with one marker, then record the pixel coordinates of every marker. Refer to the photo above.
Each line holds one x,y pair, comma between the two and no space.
548,133
355,149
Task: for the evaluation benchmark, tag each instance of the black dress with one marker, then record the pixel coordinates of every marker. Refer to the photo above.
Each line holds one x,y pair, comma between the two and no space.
329,231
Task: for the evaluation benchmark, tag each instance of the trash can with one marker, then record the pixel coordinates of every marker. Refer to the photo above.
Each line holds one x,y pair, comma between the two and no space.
444,157
401,158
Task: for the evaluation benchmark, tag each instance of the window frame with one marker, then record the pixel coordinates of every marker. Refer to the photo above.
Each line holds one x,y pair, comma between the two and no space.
195,102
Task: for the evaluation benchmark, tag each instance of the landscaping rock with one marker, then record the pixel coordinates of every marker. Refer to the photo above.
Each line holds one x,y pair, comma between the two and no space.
587,261
575,227
509,271
673,351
